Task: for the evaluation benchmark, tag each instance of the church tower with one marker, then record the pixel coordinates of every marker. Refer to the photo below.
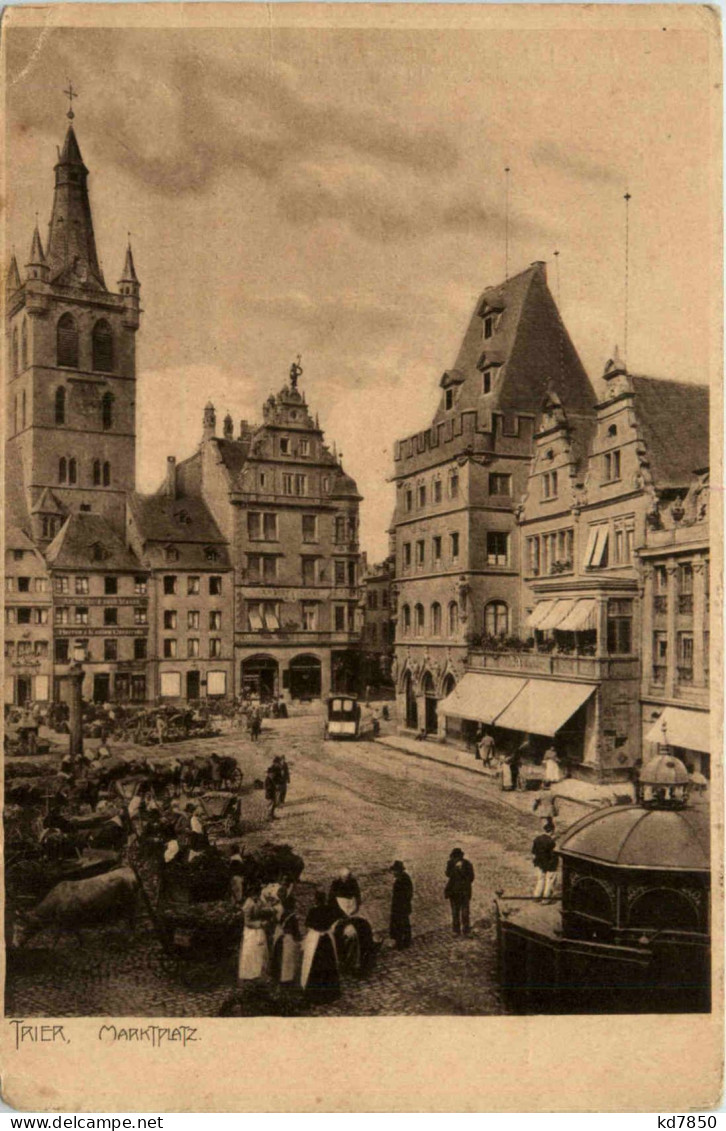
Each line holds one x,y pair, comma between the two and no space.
71,367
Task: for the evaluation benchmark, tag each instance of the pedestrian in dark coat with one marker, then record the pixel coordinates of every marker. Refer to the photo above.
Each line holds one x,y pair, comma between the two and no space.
283,778
459,878
271,792
401,901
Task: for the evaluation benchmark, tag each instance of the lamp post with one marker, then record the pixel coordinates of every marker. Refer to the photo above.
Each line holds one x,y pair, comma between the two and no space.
75,701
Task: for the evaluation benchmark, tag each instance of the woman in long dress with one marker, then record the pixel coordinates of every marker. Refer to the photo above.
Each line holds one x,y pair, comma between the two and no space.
319,976
552,769
506,771
254,955
286,947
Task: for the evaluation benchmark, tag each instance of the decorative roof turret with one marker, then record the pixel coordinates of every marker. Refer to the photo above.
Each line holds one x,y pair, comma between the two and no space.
13,281
37,265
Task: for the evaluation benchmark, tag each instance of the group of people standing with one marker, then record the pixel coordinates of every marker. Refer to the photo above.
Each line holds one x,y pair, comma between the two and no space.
510,761
273,946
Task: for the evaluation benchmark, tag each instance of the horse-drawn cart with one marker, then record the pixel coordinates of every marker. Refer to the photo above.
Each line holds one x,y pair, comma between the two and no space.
223,812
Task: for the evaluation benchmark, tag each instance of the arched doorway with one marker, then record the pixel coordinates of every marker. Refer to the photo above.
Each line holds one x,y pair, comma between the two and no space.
411,706
432,718
259,677
305,677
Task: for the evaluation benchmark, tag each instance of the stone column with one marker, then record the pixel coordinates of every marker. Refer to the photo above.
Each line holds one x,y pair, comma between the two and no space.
699,614
672,596
647,627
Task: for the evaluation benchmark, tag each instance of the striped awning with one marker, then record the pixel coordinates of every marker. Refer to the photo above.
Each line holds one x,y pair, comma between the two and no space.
560,609
544,706
582,616
539,612
481,697
677,726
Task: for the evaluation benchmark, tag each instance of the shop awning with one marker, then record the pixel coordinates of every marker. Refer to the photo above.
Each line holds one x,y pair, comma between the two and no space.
255,621
543,706
481,697
539,612
581,617
684,728
560,609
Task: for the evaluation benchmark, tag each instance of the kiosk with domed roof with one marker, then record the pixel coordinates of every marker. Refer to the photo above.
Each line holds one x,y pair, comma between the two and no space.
632,930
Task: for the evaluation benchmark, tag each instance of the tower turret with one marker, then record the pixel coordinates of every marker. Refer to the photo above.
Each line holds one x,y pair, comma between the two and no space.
37,265
228,428
13,282
130,287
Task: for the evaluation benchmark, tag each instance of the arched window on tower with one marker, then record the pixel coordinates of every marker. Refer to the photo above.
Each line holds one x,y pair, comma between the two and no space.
405,620
436,619
72,473
107,474
15,351
96,473
22,411
102,347
107,411
453,618
15,414
419,620
496,619
62,470
60,405
67,342
24,344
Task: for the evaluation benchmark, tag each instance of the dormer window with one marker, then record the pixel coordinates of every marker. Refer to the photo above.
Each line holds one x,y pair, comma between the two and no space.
488,377
613,430
304,447
611,462
490,325
171,554
183,517
449,399
211,554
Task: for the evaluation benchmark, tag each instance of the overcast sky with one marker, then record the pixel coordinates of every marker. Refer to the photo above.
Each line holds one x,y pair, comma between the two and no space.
340,194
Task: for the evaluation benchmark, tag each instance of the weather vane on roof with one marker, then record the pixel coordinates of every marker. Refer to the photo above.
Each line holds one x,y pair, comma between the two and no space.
71,95
296,371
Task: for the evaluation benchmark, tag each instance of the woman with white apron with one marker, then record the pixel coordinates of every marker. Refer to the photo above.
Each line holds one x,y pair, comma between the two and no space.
254,954
286,948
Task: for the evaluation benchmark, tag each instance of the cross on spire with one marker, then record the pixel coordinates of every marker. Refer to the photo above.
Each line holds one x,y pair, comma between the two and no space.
71,95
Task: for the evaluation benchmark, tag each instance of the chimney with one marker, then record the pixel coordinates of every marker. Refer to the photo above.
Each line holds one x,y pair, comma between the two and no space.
209,427
171,476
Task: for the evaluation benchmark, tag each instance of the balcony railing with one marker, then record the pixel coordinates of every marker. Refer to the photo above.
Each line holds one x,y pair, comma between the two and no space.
685,604
552,664
685,675
660,604
659,673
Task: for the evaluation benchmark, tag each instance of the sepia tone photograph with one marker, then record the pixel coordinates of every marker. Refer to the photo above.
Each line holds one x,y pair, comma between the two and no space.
362,390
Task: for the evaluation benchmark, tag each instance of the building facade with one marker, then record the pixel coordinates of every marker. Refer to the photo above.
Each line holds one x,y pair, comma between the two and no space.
191,594
28,634
597,490
379,626
458,484
675,561
289,513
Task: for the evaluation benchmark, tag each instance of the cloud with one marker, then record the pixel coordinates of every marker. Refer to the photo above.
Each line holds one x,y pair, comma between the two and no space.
575,164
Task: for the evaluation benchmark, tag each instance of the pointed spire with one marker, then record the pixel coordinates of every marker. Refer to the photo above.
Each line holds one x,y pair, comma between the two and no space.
72,253
129,273
37,256
13,282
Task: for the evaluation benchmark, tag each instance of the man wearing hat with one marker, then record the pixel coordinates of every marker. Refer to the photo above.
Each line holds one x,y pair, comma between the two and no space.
401,900
459,878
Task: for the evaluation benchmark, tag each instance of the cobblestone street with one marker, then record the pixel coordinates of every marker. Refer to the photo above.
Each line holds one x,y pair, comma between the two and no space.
359,805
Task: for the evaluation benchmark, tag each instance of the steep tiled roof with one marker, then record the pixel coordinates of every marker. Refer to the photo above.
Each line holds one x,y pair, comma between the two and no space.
161,518
17,539
673,417
15,502
48,504
531,345
233,454
86,541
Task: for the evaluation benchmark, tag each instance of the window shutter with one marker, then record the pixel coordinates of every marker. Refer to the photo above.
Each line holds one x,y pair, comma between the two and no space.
67,342
102,347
